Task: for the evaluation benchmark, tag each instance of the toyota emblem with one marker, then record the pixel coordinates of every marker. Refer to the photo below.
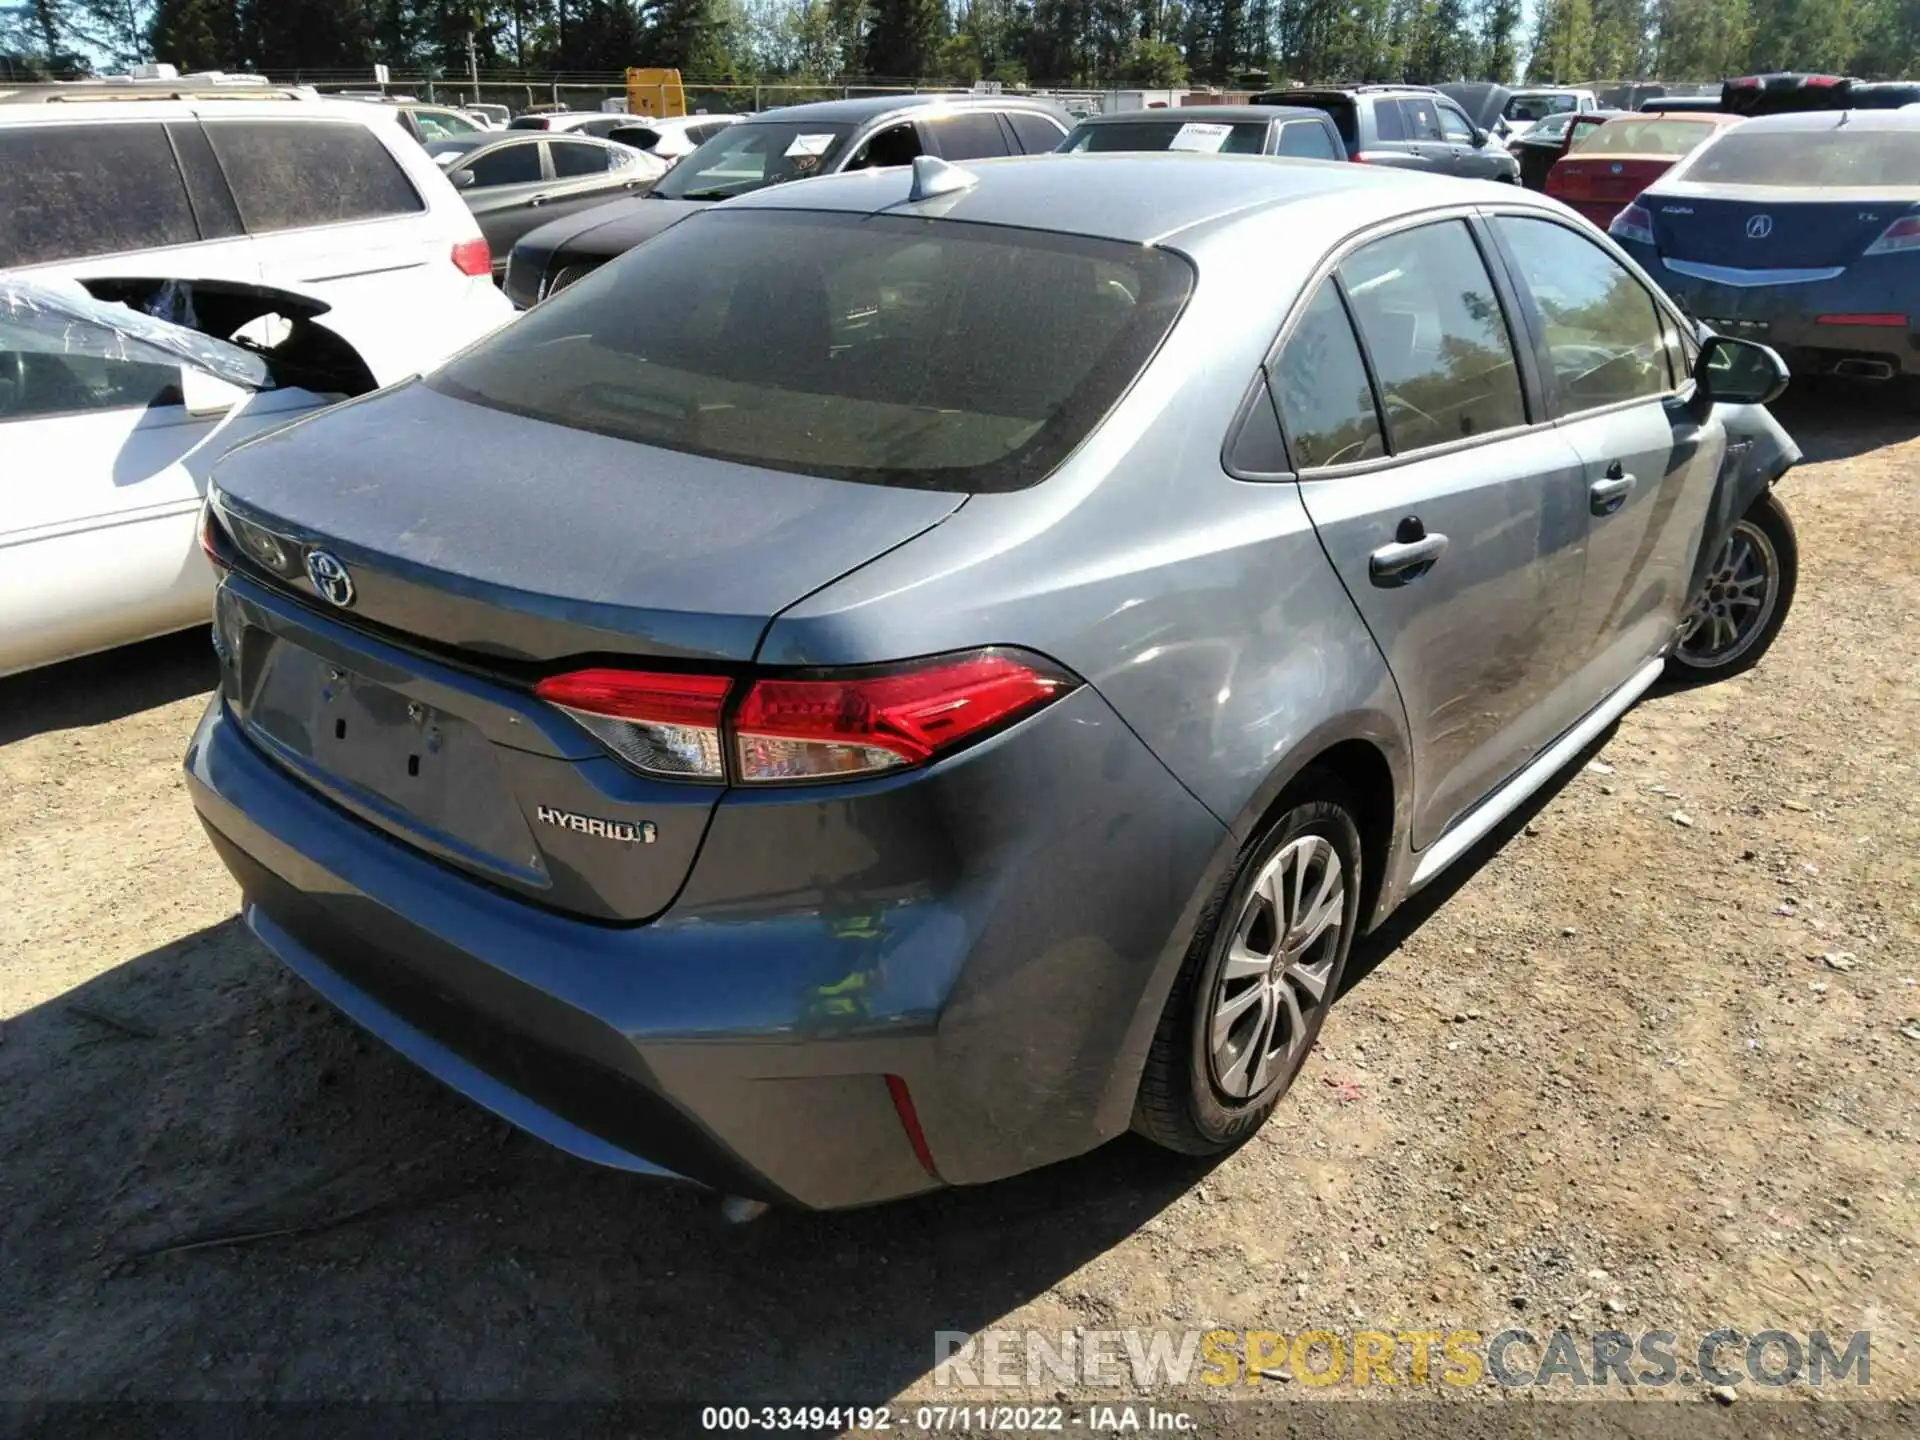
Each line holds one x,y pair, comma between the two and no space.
330,578
1759,227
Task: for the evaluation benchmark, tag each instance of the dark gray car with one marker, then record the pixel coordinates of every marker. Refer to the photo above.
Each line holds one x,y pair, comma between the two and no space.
1304,134
793,143
901,678
1406,127
514,181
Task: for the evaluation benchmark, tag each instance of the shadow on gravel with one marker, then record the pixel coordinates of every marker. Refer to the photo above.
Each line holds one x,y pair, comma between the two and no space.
97,689
1835,421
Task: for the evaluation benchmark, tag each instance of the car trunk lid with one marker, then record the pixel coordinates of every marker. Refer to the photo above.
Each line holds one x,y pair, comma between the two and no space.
476,552
1758,228
1605,177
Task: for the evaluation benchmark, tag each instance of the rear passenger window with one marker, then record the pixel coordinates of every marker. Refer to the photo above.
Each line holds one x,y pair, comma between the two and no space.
1388,121
70,191
1423,120
572,159
1036,134
1321,387
971,135
1308,140
288,175
1604,337
1436,334
509,165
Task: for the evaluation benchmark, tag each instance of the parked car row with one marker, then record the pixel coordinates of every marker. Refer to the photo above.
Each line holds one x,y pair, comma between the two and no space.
984,639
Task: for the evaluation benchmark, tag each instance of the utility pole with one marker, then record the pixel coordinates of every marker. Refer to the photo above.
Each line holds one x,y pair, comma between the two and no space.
473,69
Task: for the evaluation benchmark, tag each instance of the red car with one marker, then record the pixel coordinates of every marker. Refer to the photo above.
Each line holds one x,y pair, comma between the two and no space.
1612,163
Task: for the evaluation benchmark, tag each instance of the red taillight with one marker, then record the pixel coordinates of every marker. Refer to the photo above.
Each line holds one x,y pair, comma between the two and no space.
803,729
1821,82
473,257
1903,234
1745,82
1886,321
666,725
865,724
1632,223
210,537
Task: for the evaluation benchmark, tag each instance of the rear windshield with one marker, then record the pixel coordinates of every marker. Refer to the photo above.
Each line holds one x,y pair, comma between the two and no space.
1842,159
1643,137
1199,136
888,349
751,157
1538,107
1338,107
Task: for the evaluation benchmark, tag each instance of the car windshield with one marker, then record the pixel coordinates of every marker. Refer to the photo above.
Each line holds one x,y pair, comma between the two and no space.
1643,137
887,349
1538,107
753,156
1552,128
1815,159
1236,138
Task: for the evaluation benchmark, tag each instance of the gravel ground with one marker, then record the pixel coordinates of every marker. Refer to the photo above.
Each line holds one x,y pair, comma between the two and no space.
1648,1060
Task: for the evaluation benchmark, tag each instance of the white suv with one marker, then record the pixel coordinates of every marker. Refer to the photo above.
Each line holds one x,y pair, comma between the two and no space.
325,198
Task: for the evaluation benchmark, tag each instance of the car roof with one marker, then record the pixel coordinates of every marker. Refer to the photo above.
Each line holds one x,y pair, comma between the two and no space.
1209,114
300,108
866,107
1139,197
1834,120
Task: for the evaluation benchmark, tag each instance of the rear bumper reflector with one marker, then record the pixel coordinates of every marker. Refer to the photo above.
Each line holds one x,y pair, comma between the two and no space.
1890,322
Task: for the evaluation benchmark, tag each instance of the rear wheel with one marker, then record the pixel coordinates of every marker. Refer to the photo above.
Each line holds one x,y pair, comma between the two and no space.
1263,968
1748,591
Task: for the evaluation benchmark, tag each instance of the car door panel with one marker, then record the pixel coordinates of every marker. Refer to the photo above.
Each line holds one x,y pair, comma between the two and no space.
1605,353
1466,560
99,526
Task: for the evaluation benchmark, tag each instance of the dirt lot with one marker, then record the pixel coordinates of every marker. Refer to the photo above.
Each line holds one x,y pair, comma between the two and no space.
1651,1060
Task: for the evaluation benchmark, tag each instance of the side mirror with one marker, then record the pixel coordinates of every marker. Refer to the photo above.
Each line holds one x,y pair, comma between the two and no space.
462,179
1739,372
1480,138
208,395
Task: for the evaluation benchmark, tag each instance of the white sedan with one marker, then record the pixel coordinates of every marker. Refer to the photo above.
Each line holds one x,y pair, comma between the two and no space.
110,419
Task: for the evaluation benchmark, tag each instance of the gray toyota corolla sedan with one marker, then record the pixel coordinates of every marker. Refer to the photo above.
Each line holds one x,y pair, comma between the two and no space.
907,675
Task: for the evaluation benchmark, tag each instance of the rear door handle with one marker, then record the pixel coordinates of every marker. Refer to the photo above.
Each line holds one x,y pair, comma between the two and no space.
1405,561
1608,495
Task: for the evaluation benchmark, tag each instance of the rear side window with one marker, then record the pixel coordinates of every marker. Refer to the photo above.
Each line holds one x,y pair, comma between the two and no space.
70,191
571,158
1321,387
509,165
1036,133
1308,140
897,351
292,175
1389,121
1422,119
974,135
1436,334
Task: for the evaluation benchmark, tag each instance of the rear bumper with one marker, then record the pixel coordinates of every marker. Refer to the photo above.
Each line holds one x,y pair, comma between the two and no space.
1787,317
998,932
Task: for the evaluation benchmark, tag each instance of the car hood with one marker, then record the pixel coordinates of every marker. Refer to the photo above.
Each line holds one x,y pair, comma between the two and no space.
612,229
1482,102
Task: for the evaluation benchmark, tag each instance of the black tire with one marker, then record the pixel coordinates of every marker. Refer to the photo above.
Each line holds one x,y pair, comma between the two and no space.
1180,1105
1694,662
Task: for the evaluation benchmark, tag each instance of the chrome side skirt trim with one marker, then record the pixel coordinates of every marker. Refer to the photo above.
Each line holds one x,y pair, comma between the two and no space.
1728,275
1503,802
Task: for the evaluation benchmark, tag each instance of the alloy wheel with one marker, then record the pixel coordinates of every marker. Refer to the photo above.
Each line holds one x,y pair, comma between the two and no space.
1274,978
1735,603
